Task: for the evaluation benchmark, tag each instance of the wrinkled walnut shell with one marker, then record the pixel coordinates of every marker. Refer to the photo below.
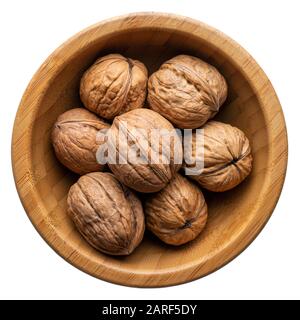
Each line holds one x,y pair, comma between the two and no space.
143,177
74,138
107,214
187,91
114,85
227,157
178,213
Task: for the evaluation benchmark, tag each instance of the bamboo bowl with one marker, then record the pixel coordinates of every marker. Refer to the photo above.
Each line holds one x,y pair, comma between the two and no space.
235,217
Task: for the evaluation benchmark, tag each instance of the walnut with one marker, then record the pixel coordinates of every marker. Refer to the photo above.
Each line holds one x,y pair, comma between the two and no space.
227,157
187,91
178,213
74,140
107,214
114,85
146,130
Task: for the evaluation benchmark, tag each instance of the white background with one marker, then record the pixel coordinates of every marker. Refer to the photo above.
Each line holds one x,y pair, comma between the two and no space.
31,30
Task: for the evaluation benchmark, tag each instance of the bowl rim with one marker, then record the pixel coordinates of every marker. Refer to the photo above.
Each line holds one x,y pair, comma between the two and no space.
23,130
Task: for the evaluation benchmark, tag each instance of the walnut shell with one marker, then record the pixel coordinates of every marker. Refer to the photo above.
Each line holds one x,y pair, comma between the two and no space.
107,214
227,157
144,177
178,213
74,138
114,85
187,91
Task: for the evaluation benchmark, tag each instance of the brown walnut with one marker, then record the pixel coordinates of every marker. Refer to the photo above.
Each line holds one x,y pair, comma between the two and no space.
74,138
158,169
227,157
187,91
107,214
114,85
178,213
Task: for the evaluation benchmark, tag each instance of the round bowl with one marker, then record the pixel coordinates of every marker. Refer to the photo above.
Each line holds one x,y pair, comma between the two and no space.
235,217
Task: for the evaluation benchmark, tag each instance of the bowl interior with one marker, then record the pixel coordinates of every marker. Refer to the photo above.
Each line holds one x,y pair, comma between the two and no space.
229,212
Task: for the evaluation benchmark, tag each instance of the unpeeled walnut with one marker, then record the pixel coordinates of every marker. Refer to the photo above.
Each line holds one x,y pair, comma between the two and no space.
154,166
107,214
75,141
178,213
187,91
114,85
227,157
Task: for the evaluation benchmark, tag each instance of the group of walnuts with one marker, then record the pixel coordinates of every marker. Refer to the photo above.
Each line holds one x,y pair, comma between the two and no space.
185,92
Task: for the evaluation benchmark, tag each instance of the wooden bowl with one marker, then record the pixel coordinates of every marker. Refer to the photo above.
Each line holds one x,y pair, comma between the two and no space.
235,217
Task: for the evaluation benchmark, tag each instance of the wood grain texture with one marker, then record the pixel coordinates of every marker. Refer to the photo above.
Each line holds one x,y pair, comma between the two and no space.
235,217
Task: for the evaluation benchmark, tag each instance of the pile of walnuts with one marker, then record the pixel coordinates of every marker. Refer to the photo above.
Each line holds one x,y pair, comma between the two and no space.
105,203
